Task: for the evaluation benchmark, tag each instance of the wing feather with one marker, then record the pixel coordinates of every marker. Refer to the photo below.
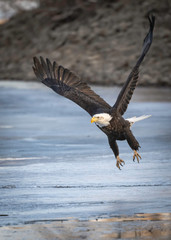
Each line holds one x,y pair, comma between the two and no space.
69,85
126,92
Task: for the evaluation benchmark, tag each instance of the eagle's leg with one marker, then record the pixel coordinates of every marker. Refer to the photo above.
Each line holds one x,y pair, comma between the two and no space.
119,162
134,144
115,149
137,155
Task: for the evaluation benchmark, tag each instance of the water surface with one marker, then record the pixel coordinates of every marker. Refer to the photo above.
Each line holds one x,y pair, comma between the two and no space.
55,164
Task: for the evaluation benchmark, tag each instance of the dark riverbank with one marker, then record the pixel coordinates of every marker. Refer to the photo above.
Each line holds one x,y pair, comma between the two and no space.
99,40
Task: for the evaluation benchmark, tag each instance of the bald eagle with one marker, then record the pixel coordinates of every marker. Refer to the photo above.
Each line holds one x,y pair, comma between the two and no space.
108,118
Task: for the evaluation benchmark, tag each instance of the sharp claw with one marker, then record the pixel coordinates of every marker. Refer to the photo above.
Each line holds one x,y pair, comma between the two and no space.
118,166
119,162
137,155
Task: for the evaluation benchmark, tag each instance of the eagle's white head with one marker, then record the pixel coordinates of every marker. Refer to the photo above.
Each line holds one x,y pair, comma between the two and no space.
101,119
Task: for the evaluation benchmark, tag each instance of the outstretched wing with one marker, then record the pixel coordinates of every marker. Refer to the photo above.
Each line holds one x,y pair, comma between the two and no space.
69,85
129,86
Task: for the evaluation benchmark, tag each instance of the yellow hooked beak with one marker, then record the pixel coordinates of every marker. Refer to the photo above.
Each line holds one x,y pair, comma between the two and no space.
94,119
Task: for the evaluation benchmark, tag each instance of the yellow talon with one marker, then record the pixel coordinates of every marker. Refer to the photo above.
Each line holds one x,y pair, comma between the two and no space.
137,156
119,162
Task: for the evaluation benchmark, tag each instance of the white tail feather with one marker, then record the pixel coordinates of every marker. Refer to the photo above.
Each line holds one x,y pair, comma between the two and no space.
136,119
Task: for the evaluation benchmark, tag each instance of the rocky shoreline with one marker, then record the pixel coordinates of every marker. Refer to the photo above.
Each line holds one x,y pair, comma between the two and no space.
144,226
100,42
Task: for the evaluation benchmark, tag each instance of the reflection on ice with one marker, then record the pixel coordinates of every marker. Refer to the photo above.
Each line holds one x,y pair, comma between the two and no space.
21,158
6,126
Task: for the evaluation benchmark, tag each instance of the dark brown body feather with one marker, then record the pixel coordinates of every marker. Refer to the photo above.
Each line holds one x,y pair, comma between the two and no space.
69,85
117,128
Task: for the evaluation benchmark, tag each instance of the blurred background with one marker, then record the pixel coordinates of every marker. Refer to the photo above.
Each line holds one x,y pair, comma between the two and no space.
98,39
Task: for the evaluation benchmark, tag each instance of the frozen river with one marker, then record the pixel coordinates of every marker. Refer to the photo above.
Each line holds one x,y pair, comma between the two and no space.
55,164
